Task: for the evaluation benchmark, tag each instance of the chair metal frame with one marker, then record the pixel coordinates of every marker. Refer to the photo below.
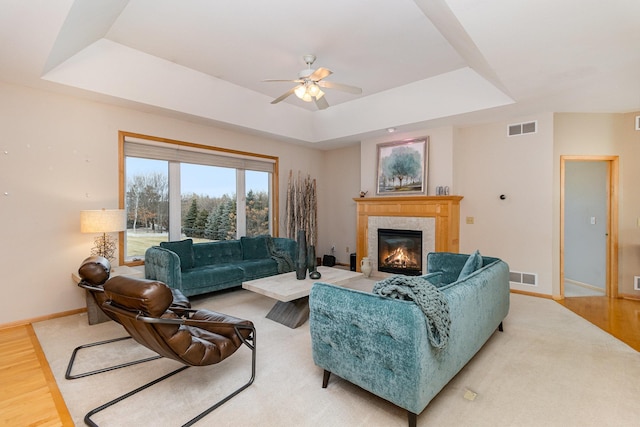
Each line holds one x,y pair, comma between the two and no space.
250,342
76,350
69,376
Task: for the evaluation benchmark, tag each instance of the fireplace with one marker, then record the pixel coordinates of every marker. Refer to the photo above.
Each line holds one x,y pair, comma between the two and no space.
400,251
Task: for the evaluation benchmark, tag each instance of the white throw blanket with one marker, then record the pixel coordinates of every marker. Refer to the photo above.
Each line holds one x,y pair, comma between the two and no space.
429,298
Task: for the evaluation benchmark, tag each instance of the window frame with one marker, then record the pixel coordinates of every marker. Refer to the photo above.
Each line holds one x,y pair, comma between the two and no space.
225,152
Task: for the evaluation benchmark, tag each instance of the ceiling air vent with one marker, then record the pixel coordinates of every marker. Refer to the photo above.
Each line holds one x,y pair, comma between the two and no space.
637,122
522,128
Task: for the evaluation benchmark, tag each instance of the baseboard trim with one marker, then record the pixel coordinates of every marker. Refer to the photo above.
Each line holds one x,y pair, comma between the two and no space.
42,318
584,285
629,297
532,294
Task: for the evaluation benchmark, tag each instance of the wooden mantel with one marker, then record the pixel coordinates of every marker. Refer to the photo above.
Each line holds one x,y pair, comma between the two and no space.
445,210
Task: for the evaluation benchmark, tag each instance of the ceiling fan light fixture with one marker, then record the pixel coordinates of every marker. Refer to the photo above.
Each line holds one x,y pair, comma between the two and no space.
313,89
306,97
319,95
300,91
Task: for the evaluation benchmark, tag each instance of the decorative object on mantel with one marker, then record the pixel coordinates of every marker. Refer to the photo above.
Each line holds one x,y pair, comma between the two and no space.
103,221
442,191
302,208
301,261
402,167
363,193
365,266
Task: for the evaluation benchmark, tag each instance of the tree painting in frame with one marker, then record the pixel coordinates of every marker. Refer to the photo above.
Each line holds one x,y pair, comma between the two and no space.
402,167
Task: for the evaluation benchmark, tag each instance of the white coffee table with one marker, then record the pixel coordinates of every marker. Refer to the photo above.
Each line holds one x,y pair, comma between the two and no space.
292,307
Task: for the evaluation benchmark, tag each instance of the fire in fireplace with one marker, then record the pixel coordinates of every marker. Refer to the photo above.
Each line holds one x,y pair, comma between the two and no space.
400,251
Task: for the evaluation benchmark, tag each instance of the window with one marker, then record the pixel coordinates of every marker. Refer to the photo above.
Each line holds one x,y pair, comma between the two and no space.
174,190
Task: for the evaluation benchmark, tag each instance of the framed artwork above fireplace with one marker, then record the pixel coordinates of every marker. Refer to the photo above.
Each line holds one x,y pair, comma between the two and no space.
402,167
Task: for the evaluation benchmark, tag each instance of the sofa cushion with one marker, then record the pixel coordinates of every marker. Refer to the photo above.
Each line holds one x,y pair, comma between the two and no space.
254,247
473,263
212,275
213,253
436,279
184,250
258,268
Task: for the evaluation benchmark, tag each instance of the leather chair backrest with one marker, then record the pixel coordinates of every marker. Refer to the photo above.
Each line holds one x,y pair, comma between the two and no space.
149,297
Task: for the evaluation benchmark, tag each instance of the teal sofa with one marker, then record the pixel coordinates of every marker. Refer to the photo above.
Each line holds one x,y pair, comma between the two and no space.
198,268
382,344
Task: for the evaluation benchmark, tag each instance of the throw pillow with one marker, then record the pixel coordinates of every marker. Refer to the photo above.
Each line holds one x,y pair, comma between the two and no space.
254,247
184,250
473,263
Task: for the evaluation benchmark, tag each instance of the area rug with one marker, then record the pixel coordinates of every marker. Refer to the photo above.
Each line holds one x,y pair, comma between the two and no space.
549,367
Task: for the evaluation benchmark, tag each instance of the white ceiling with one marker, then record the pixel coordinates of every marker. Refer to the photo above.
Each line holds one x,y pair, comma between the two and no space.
420,63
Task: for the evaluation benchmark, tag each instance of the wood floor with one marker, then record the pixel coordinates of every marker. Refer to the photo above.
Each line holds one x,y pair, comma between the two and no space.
619,317
29,395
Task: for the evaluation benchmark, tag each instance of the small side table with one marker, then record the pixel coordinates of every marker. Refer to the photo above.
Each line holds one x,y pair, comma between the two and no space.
95,314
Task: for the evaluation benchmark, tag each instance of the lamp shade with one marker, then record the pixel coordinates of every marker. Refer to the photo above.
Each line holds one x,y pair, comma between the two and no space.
103,221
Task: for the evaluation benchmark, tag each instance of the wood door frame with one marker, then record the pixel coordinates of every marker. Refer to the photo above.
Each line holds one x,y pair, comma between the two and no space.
612,219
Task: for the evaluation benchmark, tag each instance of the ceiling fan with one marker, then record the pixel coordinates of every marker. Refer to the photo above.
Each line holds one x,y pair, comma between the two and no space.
310,83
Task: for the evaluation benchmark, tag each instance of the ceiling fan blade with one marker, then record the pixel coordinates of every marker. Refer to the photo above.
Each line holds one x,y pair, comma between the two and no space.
284,95
340,86
320,74
278,80
321,103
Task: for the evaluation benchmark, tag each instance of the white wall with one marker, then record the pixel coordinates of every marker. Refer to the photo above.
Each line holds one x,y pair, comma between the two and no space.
340,184
487,164
59,155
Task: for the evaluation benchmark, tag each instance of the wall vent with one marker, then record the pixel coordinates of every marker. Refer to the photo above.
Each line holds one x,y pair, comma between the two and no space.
636,283
637,122
530,279
522,128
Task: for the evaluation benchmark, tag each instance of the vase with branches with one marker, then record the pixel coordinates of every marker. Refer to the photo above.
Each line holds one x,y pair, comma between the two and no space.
302,209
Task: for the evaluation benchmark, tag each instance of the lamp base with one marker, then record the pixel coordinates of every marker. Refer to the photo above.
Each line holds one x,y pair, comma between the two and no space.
104,246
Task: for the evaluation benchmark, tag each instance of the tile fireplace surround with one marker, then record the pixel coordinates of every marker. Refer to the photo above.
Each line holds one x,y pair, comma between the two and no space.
438,217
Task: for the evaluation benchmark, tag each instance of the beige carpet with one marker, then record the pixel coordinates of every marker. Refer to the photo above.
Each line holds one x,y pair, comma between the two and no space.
549,368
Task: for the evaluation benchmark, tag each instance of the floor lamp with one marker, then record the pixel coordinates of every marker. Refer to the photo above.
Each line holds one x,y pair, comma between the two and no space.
103,221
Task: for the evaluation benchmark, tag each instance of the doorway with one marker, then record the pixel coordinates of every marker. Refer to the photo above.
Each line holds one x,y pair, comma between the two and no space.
588,225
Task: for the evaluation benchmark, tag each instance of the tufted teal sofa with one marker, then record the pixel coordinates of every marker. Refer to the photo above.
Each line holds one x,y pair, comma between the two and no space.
198,268
382,345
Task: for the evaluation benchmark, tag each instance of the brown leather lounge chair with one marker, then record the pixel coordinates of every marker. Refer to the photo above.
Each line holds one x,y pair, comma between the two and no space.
94,272
143,308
